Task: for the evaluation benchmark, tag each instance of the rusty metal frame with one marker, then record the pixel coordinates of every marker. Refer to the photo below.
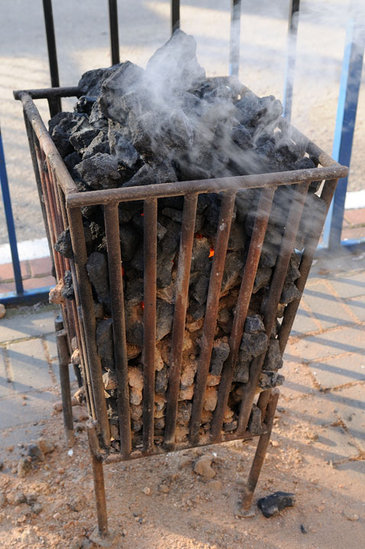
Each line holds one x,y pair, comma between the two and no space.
63,204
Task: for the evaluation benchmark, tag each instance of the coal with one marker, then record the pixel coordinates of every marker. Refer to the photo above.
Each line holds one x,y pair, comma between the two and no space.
274,503
63,244
169,123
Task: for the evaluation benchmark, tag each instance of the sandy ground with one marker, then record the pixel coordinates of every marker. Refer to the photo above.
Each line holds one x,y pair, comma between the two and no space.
161,503
83,44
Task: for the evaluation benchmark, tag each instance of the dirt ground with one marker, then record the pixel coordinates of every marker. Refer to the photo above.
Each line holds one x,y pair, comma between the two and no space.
160,502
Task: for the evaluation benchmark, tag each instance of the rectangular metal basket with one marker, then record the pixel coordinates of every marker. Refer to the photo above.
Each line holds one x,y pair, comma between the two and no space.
62,205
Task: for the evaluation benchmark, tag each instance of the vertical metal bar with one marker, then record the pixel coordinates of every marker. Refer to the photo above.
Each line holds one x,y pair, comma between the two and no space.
175,15
32,147
10,221
64,358
88,318
181,303
98,474
211,313
276,287
149,320
114,35
111,217
260,452
310,247
248,279
234,45
55,106
291,55
345,127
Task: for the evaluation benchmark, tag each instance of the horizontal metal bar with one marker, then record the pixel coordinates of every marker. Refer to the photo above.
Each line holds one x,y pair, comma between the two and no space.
238,183
47,145
29,296
46,93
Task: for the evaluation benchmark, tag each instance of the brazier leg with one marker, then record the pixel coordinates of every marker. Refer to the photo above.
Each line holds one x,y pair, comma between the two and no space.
64,359
260,452
98,474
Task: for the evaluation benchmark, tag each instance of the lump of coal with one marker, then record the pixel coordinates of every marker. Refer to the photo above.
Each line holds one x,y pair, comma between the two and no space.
104,342
97,269
220,354
273,358
99,171
68,289
252,345
274,503
63,244
175,64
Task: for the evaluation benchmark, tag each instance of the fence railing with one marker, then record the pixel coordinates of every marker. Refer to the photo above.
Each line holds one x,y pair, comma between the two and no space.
344,132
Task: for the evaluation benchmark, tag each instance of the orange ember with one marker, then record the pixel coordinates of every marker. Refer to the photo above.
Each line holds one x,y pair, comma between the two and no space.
142,305
211,253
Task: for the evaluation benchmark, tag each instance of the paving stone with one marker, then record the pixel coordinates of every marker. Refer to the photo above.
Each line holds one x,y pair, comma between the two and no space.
52,346
344,340
303,322
329,310
41,282
335,444
339,370
41,266
28,366
357,306
5,386
350,407
349,285
38,405
29,324
7,273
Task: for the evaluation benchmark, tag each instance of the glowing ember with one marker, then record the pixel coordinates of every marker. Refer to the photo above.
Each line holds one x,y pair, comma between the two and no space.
142,305
211,253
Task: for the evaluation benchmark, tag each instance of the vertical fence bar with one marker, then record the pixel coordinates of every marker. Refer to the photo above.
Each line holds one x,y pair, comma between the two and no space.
345,127
290,59
234,43
243,301
181,303
175,15
149,320
111,217
114,35
54,103
211,313
10,221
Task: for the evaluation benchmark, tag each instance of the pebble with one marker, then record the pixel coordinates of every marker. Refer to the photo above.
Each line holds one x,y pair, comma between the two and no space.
46,446
24,466
351,516
274,443
1,465
146,490
3,499
2,310
36,508
163,488
35,453
203,467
